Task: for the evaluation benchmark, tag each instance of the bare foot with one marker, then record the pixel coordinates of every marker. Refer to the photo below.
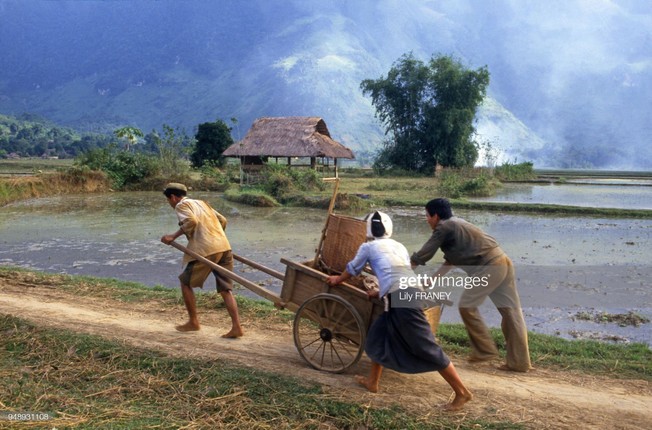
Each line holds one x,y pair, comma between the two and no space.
365,383
458,402
187,327
234,333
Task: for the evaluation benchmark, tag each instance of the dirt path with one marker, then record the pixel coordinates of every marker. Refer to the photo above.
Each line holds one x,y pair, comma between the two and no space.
539,399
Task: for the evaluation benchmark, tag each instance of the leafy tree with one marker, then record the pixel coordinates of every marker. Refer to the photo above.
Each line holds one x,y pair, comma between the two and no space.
173,149
130,134
212,140
428,112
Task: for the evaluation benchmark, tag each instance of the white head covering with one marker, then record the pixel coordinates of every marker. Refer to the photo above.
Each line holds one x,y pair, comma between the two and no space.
380,224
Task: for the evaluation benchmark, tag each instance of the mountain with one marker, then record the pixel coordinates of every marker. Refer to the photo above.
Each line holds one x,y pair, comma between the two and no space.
571,80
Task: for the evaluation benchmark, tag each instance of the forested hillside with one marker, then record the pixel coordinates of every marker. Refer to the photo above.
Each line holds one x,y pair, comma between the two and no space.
33,136
569,82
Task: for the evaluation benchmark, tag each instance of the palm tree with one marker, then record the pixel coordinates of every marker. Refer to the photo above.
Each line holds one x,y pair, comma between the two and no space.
130,134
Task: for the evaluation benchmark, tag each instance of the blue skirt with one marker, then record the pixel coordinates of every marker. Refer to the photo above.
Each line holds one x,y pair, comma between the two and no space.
401,340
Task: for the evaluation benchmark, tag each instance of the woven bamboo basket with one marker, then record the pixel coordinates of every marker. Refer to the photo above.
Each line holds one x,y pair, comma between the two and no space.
343,237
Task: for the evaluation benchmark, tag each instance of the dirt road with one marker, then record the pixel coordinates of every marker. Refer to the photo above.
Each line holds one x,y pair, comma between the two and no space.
539,399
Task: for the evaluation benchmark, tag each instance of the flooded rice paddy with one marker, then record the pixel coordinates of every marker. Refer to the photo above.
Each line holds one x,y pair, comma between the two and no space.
602,193
566,266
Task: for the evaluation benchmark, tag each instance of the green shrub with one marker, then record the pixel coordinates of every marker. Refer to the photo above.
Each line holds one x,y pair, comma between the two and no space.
450,185
214,178
123,168
285,183
455,185
277,181
251,197
515,172
307,179
480,186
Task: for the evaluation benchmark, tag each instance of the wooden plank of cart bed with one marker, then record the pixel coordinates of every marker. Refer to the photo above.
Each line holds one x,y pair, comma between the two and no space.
289,283
321,276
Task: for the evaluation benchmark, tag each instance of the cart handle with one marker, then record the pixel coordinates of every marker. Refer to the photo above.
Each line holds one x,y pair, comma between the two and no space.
261,291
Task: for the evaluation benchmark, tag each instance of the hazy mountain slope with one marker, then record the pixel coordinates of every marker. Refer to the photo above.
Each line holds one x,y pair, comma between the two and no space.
570,80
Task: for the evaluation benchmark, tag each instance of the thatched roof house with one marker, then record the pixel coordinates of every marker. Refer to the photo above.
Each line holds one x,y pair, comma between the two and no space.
294,136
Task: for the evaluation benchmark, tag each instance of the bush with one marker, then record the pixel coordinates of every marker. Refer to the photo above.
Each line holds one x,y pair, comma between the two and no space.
307,179
455,185
450,185
284,182
252,198
515,172
478,187
277,182
216,179
122,167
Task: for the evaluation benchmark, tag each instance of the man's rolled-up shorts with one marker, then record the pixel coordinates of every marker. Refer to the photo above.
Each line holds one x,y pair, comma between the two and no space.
196,272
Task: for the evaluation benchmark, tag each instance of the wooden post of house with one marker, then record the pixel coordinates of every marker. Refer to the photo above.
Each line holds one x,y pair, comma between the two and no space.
242,173
313,163
438,169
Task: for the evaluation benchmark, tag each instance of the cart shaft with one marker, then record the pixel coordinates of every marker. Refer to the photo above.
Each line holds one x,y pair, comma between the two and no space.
255,288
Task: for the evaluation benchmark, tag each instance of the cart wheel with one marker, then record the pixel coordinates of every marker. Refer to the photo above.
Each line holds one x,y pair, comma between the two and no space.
328,333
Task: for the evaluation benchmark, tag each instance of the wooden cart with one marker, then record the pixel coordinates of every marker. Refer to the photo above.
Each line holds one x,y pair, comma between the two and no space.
330,323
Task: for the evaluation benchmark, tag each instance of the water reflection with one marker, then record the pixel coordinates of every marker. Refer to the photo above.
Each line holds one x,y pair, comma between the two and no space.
603,196
562,263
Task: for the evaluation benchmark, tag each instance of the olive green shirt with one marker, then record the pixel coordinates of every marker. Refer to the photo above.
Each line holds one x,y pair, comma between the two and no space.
463,244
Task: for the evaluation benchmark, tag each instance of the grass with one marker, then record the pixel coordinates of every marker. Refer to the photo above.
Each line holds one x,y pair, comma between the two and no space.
31,166
87,382
588,357
251,197
70,181
515,172
358,191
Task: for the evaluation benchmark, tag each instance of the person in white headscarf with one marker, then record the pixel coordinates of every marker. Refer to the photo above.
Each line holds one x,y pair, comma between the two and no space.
401,338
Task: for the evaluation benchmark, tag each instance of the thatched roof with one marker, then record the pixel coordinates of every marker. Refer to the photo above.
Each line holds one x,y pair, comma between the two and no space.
294,136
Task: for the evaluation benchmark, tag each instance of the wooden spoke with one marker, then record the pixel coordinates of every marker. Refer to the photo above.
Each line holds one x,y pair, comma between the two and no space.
328,333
